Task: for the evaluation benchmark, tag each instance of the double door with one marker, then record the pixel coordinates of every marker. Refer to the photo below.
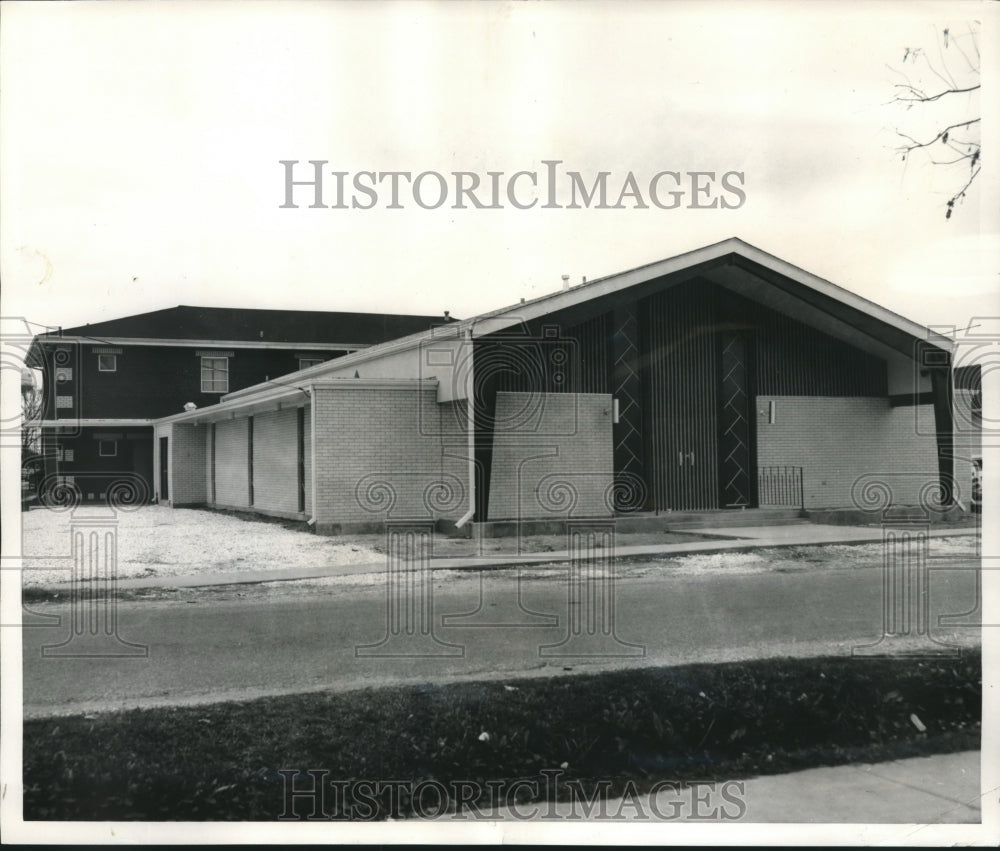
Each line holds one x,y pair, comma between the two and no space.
699,406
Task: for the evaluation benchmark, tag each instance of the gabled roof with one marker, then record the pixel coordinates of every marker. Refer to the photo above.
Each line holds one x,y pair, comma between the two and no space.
747,270
732,263
225,324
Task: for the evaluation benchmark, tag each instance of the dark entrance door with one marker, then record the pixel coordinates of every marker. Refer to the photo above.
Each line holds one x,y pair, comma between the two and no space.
164,469
142,461
736,456
681,379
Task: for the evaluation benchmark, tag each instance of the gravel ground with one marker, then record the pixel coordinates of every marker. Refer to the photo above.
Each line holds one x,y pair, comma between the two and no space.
159,541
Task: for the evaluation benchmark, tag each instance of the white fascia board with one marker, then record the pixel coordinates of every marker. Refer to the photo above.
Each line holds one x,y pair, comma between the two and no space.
375,384
270,397
451,331
299,395
499,320
821,285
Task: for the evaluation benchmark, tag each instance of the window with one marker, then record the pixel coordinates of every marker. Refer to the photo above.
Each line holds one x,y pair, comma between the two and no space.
107,448
305,363
215,375
107,363
64,401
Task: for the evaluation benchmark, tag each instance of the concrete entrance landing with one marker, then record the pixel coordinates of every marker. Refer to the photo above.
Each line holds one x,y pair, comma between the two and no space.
716,519
663,521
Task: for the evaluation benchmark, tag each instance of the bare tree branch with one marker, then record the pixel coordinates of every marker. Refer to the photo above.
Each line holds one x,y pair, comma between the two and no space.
961,80
942,135
961,193
973,68
921,97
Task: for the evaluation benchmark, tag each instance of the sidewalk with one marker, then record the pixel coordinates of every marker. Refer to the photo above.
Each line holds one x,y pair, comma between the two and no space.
939,789
732,539
944,788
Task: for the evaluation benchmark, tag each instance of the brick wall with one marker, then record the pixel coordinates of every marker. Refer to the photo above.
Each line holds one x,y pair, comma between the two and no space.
562,449
188,457
454,435
276,461
836,440
231,468
378,443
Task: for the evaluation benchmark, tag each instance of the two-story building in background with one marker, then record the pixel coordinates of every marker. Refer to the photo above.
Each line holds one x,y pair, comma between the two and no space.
105,383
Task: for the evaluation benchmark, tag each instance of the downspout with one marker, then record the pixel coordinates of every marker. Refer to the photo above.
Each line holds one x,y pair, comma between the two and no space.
313,491
470,407
941,388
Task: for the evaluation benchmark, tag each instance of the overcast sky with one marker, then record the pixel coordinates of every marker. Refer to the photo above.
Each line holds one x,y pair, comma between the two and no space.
141,149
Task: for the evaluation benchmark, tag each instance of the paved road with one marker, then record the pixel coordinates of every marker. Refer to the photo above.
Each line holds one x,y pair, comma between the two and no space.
223,646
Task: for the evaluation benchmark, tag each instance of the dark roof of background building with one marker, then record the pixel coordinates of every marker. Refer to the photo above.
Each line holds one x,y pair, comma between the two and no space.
248,324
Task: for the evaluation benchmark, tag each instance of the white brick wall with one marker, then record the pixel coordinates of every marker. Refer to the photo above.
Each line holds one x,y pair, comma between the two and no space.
275,461
390,434
188,459
231,468
836,440
566,451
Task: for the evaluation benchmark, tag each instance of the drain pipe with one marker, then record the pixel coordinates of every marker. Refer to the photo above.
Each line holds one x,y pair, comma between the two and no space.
470,407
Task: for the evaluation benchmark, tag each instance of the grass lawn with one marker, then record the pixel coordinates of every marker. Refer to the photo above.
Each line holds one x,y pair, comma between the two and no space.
698,722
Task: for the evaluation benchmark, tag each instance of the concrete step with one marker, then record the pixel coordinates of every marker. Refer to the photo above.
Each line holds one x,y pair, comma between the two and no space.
681,520
665,521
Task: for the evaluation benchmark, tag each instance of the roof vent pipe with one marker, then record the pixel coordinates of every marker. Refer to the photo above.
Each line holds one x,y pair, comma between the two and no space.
565,280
